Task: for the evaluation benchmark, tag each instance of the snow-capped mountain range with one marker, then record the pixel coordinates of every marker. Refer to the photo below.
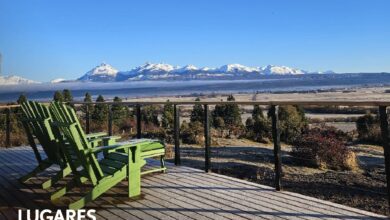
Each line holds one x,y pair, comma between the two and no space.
162,71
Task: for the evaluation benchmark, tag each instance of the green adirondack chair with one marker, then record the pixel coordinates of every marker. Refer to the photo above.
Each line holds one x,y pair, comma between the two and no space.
122,160
36,119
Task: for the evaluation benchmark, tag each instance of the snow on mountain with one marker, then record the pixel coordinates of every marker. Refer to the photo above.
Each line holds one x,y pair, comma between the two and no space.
280,70
59,80
156,71
103,72
15,80
208,69
148,71
237,68
186,68
154,68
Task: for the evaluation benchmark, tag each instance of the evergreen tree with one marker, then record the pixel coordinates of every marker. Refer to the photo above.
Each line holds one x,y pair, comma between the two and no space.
292,122
87,98
257,112
22,98
232,113
100,112
58,96
149,115
67,95
167,116
218,116
258,127
262,129
118,111
197,113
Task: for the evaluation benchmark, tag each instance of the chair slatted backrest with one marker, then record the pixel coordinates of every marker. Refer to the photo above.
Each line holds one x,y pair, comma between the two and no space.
36,120
65,119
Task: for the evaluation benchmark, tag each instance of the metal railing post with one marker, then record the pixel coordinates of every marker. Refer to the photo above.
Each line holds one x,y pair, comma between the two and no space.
207,138
386,145
176,133
8,128
138,113
87,119
110,120
276,140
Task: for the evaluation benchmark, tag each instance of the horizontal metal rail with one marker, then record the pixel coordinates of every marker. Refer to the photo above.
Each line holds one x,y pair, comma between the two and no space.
9,106
270,103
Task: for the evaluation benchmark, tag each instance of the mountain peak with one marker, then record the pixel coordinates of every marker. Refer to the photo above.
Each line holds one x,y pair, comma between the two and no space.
154,67
102,72
236,68
281,70
103,69
186,68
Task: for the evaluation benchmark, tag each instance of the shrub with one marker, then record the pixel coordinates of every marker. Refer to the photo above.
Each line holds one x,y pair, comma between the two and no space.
191,133
323,148
368,128
258,129
219,124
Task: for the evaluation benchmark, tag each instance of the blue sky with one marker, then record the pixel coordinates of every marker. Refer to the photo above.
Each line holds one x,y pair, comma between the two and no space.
46,39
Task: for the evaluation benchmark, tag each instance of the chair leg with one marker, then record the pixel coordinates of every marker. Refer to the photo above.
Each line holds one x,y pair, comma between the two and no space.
41,167
162,161
69,186
134,175
60,175
98,190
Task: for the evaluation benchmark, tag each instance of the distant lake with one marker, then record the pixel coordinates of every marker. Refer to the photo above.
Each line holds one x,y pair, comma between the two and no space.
45,91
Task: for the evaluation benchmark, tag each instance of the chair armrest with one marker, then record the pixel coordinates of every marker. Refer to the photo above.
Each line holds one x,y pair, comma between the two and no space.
111,147
96,135
102,138
123,145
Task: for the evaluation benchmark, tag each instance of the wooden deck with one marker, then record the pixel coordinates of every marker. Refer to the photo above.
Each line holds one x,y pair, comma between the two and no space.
182,193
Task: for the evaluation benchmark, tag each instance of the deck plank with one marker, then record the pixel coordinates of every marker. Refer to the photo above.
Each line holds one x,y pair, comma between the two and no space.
270,199
182,193
257,191
323,206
